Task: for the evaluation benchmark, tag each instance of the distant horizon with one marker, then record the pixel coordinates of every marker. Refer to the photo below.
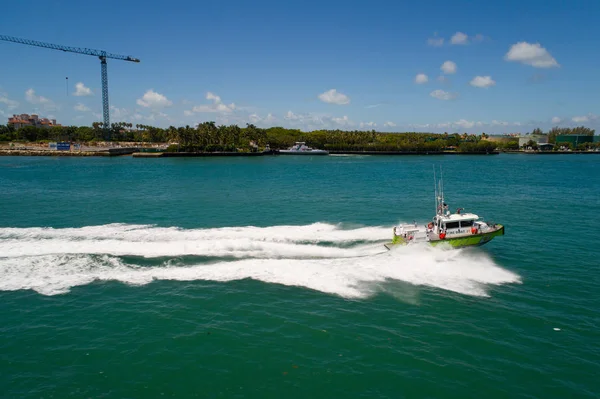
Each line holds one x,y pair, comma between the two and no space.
388,67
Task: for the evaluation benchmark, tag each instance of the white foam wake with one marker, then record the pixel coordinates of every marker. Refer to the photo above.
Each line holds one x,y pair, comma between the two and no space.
51,261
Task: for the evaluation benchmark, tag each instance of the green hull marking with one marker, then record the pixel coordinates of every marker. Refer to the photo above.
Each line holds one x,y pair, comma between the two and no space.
474,240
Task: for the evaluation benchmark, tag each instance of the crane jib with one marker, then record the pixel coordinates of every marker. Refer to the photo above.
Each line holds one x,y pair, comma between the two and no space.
103,55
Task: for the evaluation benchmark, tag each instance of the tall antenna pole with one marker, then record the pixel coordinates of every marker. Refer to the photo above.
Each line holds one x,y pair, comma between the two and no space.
442,186
435,193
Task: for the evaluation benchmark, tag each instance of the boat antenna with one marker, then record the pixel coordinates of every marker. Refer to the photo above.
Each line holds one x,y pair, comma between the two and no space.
435,193
442,187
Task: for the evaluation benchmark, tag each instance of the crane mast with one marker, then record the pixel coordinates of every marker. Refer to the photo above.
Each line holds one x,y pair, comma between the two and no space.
102,55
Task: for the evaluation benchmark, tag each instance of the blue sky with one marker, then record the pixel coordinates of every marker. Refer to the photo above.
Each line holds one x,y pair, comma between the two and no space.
503,66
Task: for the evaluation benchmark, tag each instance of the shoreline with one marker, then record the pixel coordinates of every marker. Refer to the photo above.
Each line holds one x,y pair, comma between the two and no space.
135,153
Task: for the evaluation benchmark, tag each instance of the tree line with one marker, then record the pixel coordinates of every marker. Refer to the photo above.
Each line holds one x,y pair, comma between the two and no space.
208,137
563,131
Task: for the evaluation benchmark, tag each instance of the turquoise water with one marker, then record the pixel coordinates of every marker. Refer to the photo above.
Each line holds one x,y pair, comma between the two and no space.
265,278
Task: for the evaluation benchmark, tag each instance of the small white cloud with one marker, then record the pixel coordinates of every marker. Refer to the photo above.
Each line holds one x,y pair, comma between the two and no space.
580,119
119,112
213,97
459,38
421,78
478,38
333,97
11,104
373,105
35,99
343,121
152,99
291,116
531,54
435,41
556,120
442,79
81,107
465,124
254,118
188,113
389,124
46,103
81,90
270,118
368,124
216,106
483,82
442,95
499,123
448,67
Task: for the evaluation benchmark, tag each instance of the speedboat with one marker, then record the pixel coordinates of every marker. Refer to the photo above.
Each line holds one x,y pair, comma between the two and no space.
460,229
300,148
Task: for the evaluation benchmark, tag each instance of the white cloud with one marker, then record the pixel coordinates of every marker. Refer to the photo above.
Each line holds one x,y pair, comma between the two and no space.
81,90
442,95
216,106
368,124
389,124
448,67
11,104
119,112
499,123
270,118
317,121
442,79
421,78
580,119
465,124
373,105
254,118
343,121
152,99
459,38
291,116
556,120
34,99
531,54
483,81
188,113
333,97
81,107
435,41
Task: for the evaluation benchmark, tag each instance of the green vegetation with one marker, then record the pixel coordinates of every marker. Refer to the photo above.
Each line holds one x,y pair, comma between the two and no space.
559,131
208,137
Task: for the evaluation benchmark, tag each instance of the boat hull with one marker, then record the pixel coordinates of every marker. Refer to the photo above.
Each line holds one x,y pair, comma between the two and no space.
474,240
286,152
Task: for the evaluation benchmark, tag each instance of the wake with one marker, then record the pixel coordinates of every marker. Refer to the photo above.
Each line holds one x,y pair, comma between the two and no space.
323,257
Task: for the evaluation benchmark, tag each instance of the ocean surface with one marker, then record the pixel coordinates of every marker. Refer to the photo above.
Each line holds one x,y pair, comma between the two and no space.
267,278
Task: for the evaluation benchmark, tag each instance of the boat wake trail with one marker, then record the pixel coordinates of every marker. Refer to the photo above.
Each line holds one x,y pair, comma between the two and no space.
350,262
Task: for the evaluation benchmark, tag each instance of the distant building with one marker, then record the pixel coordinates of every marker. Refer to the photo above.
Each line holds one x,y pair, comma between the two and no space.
545,147
536,138
19,121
